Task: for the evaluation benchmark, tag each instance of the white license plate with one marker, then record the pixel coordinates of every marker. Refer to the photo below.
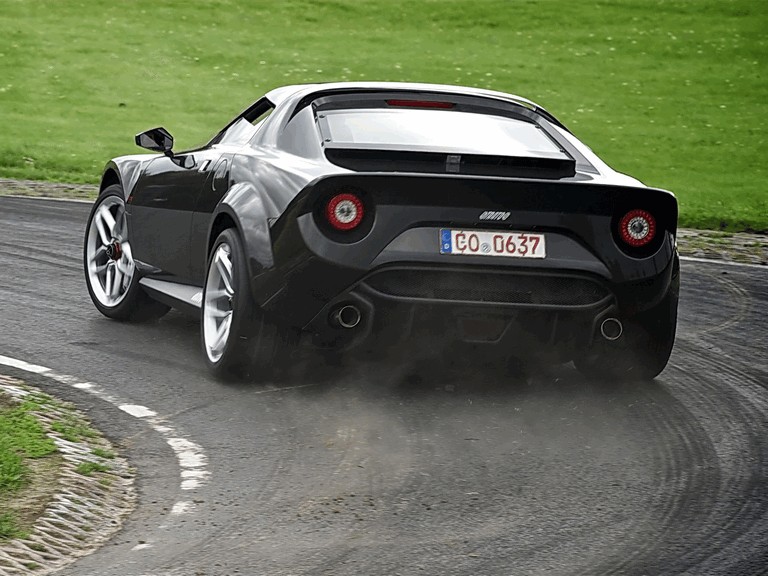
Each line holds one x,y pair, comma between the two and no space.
493,243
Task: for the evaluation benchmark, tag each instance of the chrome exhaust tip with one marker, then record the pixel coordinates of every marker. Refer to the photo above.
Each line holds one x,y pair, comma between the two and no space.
611,329
347,316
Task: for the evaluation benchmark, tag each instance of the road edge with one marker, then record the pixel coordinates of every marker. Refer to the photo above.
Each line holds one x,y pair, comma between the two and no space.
93,496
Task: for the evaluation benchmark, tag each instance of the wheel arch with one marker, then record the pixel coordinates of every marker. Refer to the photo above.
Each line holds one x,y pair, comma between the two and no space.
109,178
242,208
124,171
222,221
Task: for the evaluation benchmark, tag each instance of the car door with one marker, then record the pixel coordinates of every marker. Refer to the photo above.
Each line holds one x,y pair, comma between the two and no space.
211,193
160,211
228,142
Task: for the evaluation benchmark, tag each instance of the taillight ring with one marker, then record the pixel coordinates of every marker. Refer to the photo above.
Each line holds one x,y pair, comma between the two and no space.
344,211
637,228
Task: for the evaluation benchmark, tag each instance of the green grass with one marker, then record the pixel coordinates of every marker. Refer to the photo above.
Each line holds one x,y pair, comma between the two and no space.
21,437
74,429
88,468
673,92
101,453
9,527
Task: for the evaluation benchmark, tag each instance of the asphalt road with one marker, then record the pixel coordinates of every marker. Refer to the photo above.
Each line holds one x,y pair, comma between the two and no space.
408,467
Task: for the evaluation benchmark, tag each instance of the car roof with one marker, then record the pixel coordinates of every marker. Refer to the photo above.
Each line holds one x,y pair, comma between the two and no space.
298,91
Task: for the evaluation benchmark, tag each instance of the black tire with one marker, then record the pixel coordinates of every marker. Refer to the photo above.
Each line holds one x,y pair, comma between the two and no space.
254,349
644,348
128,302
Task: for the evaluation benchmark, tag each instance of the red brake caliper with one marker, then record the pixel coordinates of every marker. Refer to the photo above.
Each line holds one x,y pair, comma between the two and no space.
114,251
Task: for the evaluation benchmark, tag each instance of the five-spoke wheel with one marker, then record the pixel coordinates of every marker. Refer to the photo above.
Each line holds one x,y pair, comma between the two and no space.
110,271
109,261
238,340
217,310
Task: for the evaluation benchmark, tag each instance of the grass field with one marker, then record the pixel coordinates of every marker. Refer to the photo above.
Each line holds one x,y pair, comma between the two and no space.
21,438
673,92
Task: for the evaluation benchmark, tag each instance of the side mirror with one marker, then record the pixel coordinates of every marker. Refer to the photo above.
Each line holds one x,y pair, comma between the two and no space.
157,140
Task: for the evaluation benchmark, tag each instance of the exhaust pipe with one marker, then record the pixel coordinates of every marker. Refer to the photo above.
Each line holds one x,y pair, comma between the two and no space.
611,329
347,316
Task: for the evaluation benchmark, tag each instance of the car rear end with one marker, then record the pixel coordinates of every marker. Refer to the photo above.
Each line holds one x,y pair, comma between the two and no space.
467,218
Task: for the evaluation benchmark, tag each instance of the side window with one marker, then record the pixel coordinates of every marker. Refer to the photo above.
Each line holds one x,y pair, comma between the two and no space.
242,131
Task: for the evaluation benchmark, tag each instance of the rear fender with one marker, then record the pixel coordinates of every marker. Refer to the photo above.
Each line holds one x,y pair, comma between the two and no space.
245,207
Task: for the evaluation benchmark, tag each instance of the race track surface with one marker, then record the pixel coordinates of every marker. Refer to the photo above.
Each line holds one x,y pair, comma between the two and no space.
413,467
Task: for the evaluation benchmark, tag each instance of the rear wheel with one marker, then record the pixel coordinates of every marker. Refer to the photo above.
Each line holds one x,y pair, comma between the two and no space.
110,272
644,347
239,342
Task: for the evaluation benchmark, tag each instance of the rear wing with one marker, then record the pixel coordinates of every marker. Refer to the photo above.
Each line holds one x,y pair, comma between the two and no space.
432,162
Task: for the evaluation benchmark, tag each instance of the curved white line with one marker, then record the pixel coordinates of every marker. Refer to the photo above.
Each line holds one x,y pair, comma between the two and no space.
74,200
726,262
191,457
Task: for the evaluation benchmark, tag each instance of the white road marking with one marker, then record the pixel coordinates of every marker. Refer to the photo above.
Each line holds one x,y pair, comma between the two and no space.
192,460
75,200
21,365
137,411
191,456
182,508
726,262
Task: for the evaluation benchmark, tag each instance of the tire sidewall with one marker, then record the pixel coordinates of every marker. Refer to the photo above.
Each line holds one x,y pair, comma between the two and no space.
234,361
126,307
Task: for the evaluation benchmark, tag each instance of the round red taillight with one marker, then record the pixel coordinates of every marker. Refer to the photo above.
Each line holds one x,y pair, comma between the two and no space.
344,211
637,228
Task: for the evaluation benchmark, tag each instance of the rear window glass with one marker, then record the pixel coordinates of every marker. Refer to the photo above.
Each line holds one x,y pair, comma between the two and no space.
438,130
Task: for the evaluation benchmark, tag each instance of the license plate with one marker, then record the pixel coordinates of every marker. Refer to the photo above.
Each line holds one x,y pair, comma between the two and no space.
493,243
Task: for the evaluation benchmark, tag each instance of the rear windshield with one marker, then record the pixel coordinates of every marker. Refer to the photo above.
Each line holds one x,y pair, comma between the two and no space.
437,130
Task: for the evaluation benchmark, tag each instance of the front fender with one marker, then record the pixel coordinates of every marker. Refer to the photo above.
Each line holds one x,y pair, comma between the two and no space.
125,170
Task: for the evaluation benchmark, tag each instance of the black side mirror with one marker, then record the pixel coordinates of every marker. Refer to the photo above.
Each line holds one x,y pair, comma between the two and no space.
157,140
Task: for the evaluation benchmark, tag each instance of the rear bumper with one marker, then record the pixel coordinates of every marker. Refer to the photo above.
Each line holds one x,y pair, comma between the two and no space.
555,309
458,304
397,275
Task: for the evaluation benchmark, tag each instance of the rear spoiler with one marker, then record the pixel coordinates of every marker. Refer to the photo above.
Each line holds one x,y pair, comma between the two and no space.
371,160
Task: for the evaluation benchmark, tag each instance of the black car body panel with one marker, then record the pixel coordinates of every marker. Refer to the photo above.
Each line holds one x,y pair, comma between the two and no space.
271,171
577,220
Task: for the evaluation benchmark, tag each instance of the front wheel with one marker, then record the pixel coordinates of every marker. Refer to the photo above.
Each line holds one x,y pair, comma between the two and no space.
238,341
110,272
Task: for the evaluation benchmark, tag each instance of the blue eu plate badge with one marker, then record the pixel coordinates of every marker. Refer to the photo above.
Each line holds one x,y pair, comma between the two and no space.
445,242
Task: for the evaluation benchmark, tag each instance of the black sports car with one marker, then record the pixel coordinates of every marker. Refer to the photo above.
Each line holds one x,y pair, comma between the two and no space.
366,212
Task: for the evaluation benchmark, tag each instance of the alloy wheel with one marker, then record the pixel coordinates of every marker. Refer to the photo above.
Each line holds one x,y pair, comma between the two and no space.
109,259
217,305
